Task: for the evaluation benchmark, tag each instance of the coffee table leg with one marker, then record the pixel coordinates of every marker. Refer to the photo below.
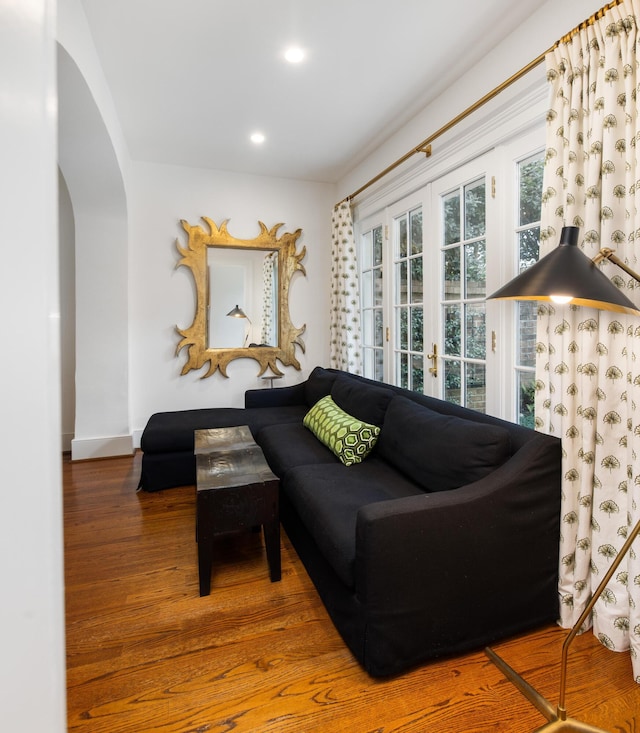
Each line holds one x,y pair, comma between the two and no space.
204,538
205,553
272,544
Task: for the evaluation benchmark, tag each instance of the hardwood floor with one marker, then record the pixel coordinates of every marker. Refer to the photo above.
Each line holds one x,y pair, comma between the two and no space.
146,653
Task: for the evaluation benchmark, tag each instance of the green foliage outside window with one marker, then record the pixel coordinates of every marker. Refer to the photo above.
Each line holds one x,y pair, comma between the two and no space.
530,201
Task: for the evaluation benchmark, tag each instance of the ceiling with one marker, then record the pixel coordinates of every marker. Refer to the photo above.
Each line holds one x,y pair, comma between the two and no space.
191,80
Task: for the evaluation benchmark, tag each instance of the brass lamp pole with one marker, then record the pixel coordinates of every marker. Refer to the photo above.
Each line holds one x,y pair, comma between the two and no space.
566,275
557,717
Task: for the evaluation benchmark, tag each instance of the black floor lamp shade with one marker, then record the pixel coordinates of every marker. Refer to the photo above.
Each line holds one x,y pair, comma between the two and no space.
567,272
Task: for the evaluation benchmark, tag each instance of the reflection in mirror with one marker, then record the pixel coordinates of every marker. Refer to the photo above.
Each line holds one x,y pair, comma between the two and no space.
252,275
247,279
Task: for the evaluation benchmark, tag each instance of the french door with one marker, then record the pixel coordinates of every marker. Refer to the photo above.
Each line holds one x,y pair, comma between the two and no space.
465,237
428,263
424,284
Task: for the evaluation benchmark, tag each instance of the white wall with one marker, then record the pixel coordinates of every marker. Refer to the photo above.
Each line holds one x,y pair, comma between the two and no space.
162,297
32,660
67,240
101,268
94,161
127,311
73,34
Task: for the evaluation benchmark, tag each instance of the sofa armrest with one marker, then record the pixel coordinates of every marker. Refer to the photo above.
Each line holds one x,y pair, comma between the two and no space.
459,568
278,397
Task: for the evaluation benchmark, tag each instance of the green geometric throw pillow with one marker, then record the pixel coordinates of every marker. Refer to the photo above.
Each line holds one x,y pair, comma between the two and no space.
350,439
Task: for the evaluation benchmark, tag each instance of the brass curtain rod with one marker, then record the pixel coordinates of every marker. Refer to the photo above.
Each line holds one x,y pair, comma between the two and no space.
425,145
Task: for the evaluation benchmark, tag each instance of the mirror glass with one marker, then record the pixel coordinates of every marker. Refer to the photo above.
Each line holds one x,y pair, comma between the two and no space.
245,284
242,298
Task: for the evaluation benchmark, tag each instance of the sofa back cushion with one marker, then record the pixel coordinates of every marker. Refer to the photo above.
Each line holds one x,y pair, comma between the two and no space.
440,452
318,385
365,401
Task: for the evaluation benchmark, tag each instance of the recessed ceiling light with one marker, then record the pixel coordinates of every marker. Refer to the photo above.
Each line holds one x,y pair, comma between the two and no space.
294,54
257,138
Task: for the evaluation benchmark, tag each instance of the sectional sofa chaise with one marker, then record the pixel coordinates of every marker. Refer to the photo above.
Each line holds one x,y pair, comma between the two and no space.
427,528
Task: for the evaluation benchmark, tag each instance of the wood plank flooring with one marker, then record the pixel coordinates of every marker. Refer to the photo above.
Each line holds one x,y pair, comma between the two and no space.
145,653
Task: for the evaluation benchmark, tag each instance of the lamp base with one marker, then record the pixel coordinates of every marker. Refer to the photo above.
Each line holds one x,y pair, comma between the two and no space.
558,722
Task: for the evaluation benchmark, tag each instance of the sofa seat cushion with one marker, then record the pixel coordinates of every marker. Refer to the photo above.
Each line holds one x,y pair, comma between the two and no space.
440,452
288,445
173,431
327,499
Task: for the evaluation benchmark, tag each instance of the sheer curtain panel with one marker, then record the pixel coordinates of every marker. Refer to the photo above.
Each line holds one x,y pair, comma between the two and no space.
267,331
588,366
345,343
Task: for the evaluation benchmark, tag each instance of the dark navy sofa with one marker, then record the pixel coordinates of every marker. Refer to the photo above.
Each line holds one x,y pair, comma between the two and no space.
444,539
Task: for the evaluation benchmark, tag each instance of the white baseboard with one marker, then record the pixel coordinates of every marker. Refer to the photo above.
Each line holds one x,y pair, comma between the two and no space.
137,434
67,439
116,445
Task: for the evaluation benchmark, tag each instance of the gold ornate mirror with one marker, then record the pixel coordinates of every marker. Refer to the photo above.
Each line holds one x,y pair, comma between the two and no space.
242,298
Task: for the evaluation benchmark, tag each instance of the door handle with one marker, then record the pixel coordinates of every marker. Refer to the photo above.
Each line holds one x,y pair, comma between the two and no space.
433,357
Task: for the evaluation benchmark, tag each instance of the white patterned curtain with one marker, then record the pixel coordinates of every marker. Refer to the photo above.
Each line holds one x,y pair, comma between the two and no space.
588,368
345,342
267,335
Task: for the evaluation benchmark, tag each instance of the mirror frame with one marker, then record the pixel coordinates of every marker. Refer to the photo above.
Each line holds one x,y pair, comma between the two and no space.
194,338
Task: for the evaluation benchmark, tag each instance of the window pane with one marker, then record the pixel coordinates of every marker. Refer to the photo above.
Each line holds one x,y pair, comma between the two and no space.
401,282
416,231
451,205
377,246
402,237
526,399
452,330
403,369
367,326
367,289
379,365
452,382
417,373
527,318
367,250
402,335
475,332
367,359
452,289
417,329
417,287
474,208
475,270
530,189
377,274
475,383
528,248
379,329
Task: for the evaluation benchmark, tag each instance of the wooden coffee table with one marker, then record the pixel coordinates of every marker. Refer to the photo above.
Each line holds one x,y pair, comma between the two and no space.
235,490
